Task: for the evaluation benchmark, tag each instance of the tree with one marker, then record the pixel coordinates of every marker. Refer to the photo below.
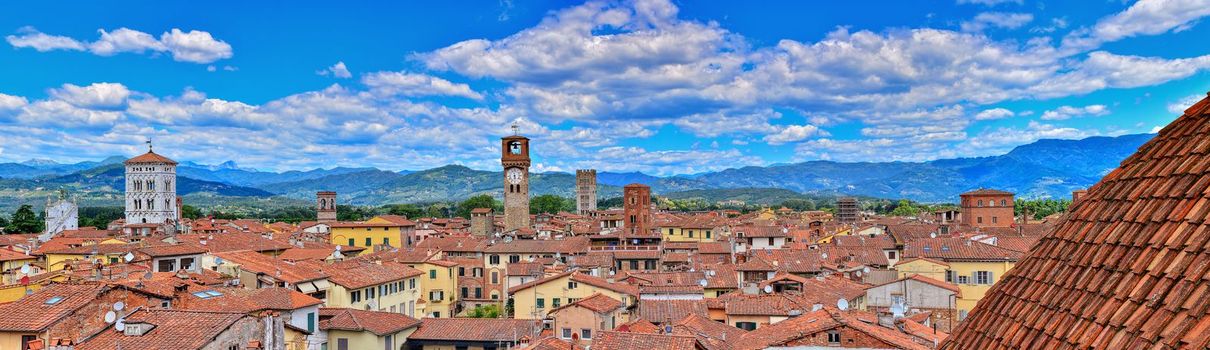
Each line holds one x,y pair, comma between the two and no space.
799,204
3,222
485,311
190,212
905,208
100,217
25,221
410,211
480,201
549,203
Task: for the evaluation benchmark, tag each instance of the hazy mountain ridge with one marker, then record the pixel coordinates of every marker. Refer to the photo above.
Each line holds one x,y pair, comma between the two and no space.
1043,169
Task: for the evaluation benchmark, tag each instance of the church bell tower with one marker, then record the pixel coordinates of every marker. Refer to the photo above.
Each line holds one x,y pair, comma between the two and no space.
514,156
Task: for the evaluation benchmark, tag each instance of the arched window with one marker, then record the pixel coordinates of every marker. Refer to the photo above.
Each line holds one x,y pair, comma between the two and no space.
167,203
150,185
980,202
1003,203
138,204
168,185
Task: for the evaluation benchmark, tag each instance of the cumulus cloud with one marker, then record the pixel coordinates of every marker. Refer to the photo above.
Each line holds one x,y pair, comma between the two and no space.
1145,17
416,84
96,95
1068,112
1004,20
338,70
192,46
793,133
32,38
994,113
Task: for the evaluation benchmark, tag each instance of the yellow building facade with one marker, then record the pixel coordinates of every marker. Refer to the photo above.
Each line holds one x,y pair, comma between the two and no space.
438,288
533,300
379,230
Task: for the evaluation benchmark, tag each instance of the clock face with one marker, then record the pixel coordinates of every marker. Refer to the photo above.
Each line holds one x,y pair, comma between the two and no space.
514,176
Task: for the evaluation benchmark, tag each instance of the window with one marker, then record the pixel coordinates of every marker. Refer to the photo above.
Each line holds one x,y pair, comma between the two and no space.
983,277
572,284
649,264
461,271
386,240
541,303
707,234
342,344
554,302
690,233
389,342
494,259
566,333
979,219
167,265
311,322
833,337
513,259
770,240
369,242
432,274
890,255
747,326
355,296
949,276
495,277
370,293
351,242
994,219
964,279
634,264
465,292
478,293
1003,203
411,283
585,333
980,202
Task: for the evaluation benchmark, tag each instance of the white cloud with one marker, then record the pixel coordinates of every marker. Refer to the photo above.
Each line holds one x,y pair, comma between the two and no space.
793,133
1002,140
1145,17
124,40
193,46
416,84
1068,112
994,113
30,37
1179,106
10,102
96,95
338,70
1004,20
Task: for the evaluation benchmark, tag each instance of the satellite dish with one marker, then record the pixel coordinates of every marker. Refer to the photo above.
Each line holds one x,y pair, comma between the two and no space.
842,304
865,269
816,307
768,289
932,235
338,247
129,256
119,306
824,255
897,309
120,325
702,282
110,317
25,268
218,260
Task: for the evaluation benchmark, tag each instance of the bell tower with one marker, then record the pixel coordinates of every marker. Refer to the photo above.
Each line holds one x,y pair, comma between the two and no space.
514,156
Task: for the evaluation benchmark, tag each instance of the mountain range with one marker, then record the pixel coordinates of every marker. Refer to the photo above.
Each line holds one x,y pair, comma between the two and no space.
1042,169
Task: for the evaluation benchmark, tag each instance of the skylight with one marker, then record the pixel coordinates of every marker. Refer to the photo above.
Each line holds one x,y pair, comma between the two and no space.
207,294
54,300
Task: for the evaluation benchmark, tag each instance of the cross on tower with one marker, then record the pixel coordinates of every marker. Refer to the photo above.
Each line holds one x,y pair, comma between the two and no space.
148,142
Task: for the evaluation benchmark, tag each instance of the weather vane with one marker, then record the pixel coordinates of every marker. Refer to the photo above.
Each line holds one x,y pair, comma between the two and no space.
148,142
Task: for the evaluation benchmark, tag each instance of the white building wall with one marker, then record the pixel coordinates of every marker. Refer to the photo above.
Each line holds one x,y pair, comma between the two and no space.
153,187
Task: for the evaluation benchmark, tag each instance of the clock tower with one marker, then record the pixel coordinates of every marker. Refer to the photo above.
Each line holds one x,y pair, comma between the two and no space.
514,156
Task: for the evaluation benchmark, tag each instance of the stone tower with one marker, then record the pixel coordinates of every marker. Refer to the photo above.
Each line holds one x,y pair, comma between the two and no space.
636,206
481,222
514,156
586,190
325,209
151,189
987,208
62,213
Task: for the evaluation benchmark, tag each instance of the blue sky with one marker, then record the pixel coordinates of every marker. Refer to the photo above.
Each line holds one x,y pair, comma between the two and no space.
654,86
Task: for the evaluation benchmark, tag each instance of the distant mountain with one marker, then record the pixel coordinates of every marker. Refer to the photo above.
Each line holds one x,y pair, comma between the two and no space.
1043,169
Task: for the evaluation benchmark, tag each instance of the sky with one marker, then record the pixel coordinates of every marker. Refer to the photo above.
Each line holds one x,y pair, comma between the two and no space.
661,87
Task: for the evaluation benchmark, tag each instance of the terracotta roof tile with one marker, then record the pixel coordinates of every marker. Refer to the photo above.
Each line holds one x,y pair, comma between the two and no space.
811,323
377,322
1129,266
174,330
710,333
293,273
475,329
35,312
667,311
150,157
360,273
596,302
609,340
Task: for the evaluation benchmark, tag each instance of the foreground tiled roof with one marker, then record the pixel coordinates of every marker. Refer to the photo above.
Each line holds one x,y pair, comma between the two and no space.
377,322
174,330
1128,268
609,340
475,329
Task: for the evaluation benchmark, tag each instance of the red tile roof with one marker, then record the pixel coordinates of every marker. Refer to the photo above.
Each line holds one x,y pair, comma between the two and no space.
33,313
711,333
293,273
250,300
150,157
476,329
958,249
377,322
638,326
596,302
581,278
811,323
359,273
1128,268
609,340
986,192
667,311
923,279
174,330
